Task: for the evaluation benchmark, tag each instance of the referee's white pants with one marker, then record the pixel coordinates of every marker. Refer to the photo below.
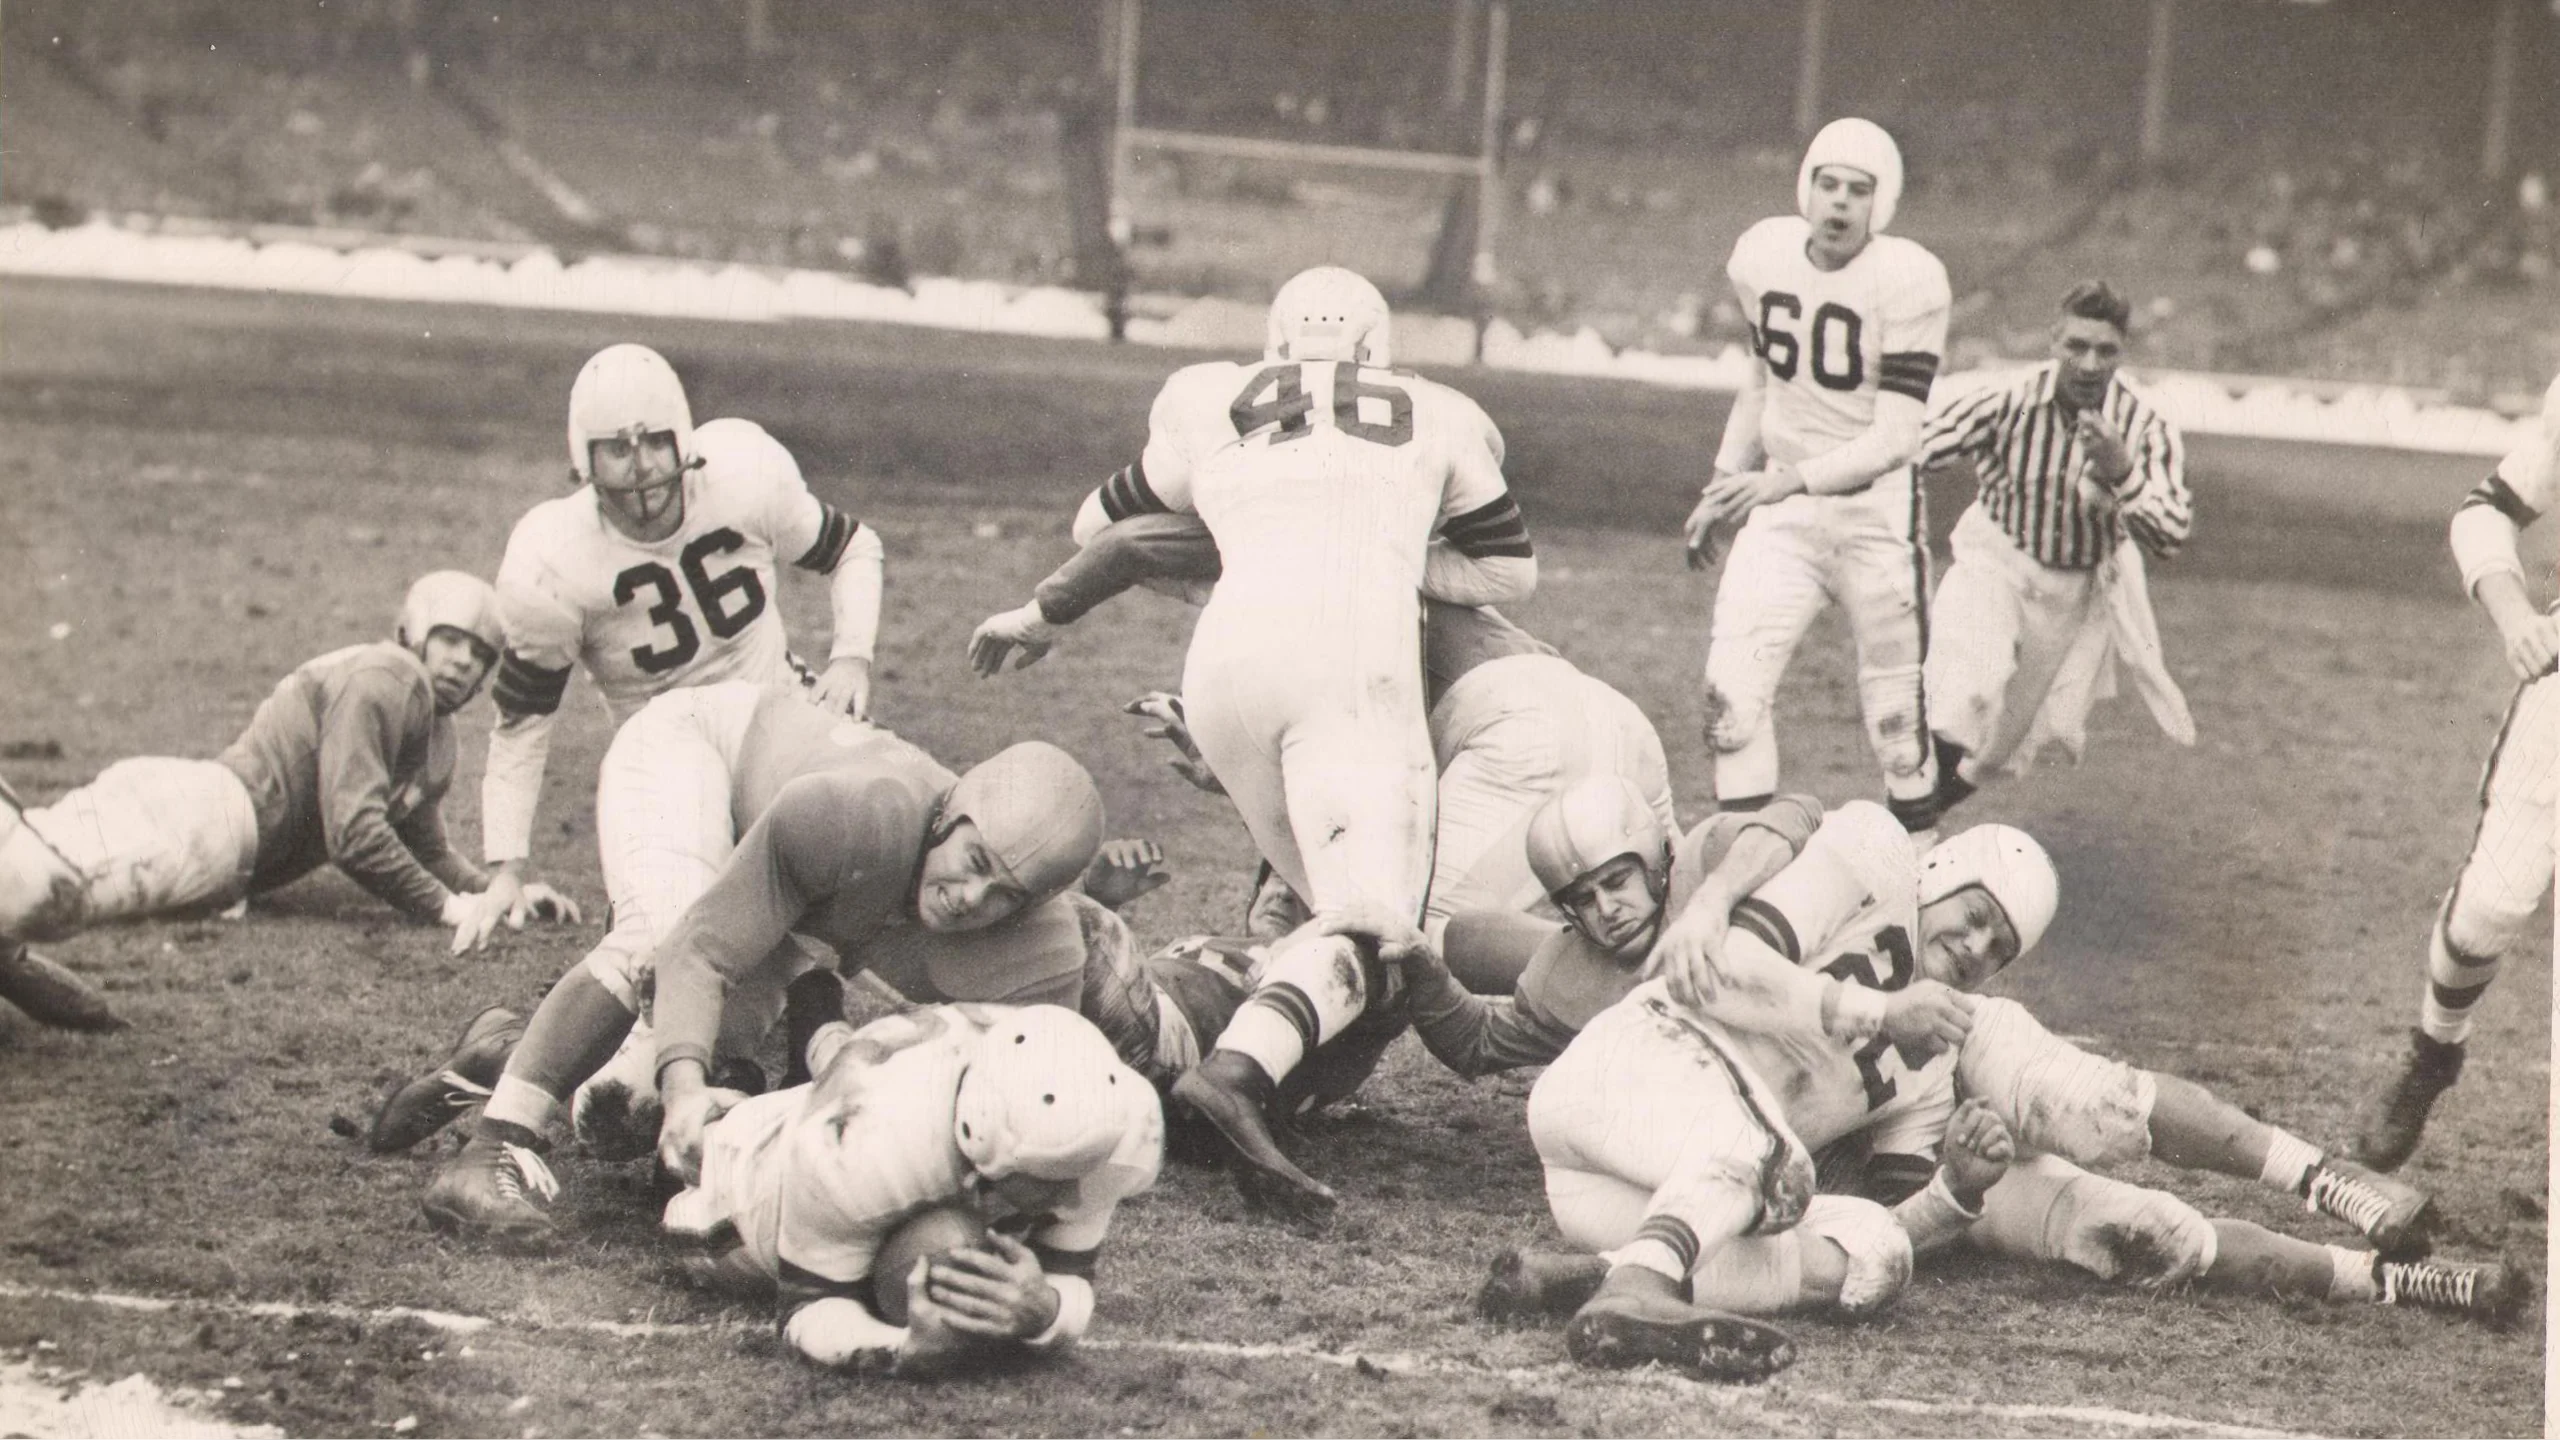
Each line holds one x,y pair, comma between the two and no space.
1511,733
1325,751
148,836
1998,631
1790,561
663,831
1650,1128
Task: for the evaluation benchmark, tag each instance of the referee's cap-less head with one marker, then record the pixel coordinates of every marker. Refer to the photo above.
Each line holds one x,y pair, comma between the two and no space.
1036,810
1860,145
1328,313
631,433
1046,1096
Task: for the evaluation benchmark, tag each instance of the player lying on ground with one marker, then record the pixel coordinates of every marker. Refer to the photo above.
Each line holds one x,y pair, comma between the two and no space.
1717,1069
1511,721
844,835
346,763
1847,324
2507,875
1023,1116
2080,477
658,572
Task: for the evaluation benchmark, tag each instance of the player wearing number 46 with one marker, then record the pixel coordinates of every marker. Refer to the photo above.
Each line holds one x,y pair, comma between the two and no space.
1340,493
1848,324
347,762
656,573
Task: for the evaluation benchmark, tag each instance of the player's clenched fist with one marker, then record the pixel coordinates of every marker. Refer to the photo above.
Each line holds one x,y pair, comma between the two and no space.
1928,1017
1978,1151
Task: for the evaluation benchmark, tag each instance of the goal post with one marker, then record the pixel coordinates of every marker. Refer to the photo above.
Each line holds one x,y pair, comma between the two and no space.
1480,171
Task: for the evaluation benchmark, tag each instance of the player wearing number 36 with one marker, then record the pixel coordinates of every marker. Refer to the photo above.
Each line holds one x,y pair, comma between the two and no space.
1848,324
1339,493
655,574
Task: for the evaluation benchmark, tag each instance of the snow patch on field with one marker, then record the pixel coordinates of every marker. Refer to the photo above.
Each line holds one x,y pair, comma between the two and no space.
43,1409
351,265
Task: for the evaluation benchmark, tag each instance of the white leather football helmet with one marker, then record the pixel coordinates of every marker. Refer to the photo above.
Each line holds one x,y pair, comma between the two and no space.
1860,145
1328,313
625,392
1037,809
452,600
2007,862
1045,1096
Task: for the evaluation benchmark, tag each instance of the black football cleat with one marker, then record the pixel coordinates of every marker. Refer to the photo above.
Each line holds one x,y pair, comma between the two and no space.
1229,1090
2398,1116
1620,1331
51,995
435,1099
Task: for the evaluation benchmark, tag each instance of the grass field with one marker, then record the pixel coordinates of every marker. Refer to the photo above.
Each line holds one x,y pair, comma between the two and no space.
200,491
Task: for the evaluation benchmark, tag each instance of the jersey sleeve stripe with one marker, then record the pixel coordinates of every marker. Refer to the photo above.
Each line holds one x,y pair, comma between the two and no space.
1771,925
1907,372
1493,528
1127,493
1067,1262
835,533
2498,495
525,688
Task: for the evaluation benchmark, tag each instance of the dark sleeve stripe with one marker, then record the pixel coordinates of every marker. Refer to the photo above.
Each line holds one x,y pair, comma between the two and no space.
1769,923
2495,493
1493,528
1127,493
1908,372
1067,1262
833,535
525,688
1891,1179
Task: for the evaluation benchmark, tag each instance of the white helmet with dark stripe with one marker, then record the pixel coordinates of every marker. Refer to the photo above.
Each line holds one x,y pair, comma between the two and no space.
452,600
1590,823
2005,861
622,389
1328,313
1045,1095
1860,145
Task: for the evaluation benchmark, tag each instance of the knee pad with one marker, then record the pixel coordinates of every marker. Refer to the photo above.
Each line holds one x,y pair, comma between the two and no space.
1890,701
2054,1096
1878,1248
2117,1231
41,898
1733,720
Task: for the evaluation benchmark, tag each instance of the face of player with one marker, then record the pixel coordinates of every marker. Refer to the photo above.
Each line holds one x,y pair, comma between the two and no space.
1616,906
456,664
1965,938
963,886
1844,201
639,480
1276,909
2088,352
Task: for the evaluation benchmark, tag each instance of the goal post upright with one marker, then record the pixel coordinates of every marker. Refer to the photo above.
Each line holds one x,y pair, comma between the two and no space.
1483,167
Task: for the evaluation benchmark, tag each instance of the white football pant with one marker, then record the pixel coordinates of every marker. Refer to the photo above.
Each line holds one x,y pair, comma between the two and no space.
148,836
2047,1208
2054,1096
2508,871
1789,561
1999,630
1660,1145
1513,732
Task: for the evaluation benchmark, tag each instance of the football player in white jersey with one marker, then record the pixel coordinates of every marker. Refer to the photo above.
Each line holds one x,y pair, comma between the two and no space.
2508,873
1025,1115
1339,493
1848,324
657,572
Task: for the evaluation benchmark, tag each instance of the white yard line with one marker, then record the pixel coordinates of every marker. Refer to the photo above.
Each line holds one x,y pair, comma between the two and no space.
1742,1401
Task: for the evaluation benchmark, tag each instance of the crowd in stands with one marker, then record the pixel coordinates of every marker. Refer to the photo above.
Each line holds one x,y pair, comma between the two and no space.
910,137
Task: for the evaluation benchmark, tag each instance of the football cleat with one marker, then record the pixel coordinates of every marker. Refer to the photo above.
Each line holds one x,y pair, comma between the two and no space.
1535,1284
435,1099
2495,1293
497,1191
1623,1330
2389,1134
52,995
2398,1218
1229,1091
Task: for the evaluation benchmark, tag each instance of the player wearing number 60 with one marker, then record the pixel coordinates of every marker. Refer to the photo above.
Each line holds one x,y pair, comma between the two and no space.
1339,493
655,574
1848,324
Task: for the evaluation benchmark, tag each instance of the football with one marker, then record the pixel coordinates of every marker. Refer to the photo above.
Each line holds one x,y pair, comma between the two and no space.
921,1236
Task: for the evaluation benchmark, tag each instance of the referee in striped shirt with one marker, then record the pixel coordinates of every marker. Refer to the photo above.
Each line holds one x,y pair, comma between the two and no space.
2072,461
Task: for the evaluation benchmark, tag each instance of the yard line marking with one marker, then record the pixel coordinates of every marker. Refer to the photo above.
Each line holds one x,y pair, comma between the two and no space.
1724,1397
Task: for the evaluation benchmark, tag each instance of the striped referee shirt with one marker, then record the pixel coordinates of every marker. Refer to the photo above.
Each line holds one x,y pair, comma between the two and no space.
2023,447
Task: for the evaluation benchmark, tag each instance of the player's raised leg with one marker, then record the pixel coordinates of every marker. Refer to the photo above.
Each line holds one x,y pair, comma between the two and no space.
1886,584
1768,596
